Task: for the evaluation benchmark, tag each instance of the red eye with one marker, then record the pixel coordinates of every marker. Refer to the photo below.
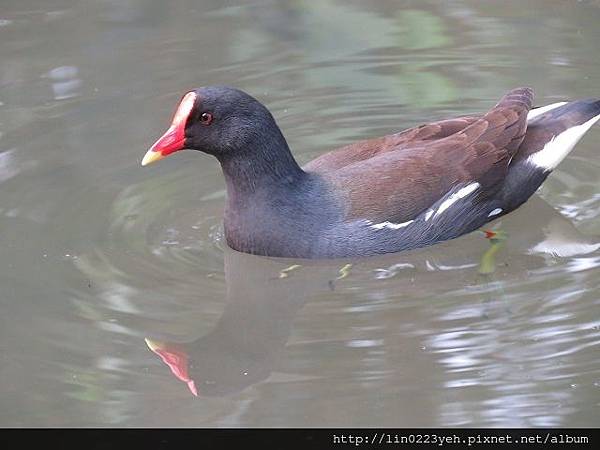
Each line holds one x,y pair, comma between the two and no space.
206,118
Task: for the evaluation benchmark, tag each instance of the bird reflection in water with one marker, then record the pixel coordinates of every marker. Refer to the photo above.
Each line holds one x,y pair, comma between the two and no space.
264,295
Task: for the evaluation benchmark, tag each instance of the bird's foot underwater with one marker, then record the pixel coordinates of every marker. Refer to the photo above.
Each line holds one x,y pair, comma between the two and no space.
487,263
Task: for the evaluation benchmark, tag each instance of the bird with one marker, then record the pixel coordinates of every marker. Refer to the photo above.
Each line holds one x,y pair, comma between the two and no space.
398,192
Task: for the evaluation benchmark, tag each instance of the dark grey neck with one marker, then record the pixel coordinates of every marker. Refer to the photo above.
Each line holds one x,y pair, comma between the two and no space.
263,163
273,207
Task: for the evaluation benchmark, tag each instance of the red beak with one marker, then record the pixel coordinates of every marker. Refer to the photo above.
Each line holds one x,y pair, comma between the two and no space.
174,138
170,142
176,358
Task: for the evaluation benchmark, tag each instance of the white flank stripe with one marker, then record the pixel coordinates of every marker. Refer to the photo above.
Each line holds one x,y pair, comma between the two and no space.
495,212
428,214
391,225
559,146
541,110
461,193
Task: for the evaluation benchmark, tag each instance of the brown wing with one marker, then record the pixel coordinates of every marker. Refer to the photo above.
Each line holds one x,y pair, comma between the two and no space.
363,150
398,184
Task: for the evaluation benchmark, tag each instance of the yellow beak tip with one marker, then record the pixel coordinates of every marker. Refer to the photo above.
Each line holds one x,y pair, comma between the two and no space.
153,345
150,157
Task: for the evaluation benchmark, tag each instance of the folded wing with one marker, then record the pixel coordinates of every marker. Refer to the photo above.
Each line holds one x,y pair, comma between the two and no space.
397,177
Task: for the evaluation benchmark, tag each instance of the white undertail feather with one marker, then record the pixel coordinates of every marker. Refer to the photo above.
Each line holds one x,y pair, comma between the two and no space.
560,145
542,109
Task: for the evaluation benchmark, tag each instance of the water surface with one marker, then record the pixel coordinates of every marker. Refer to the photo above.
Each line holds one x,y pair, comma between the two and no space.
98,254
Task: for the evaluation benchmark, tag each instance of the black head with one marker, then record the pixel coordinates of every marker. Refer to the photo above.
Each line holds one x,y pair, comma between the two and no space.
218,120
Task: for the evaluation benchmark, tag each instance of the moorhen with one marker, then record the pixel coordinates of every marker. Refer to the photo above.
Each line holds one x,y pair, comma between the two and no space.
402,191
